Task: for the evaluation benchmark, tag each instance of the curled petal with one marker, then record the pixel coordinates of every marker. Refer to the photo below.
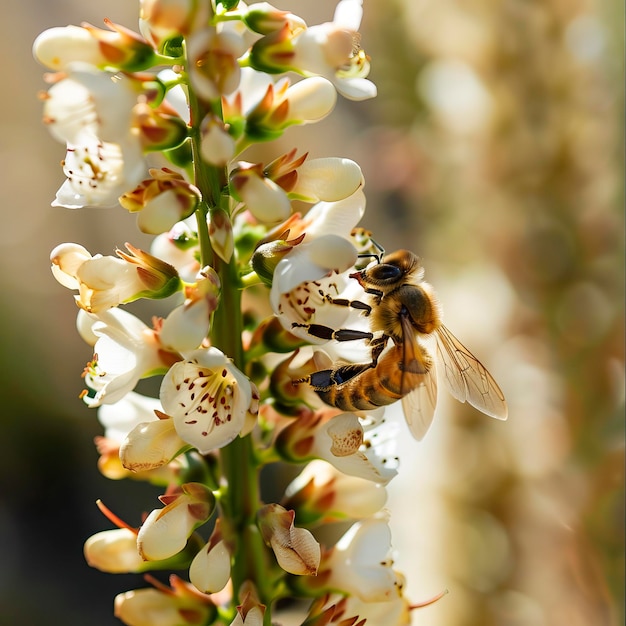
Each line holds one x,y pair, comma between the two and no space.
296,550
66,258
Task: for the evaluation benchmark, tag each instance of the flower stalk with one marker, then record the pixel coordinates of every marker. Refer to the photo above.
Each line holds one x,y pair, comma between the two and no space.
201,82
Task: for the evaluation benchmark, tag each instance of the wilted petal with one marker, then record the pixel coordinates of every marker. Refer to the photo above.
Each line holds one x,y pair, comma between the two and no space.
296,550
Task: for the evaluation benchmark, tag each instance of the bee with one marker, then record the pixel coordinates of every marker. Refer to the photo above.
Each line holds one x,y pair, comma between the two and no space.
403,310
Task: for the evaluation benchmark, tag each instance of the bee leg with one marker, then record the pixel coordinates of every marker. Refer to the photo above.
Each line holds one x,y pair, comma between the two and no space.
378,345
353,304
328,333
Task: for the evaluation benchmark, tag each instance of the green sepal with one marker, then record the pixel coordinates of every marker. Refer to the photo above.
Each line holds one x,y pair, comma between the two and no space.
181,155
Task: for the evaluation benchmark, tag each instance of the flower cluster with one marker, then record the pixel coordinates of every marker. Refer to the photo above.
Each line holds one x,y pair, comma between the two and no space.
156,122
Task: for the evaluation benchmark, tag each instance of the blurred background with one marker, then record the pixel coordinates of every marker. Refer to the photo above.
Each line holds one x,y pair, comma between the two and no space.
495,151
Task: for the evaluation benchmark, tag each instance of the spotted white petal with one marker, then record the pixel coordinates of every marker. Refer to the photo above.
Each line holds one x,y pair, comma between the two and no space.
208,398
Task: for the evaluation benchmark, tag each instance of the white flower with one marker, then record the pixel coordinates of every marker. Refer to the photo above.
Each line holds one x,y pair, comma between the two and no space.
126,351
213,67
104,282
322,492
360,563
344,442
179,248
331,50
121,417
208,398
92,112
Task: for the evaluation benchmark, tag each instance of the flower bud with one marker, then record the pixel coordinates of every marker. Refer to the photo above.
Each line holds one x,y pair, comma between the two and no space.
250,612
296,550
331,179
267,256
162,20
186,327
274,53
181,606
165,531
210,569
151,444
119,48
263,18
217,147
159,129
310,100
114,551
221,233
161,201
159,278
266,200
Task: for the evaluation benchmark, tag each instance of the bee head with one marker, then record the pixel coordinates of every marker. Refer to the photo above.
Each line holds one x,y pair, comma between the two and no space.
395,269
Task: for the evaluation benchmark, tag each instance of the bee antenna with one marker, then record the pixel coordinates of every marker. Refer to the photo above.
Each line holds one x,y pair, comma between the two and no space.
373,255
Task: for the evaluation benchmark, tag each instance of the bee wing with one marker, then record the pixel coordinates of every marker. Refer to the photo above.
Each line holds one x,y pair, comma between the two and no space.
467,378
419,405
419,383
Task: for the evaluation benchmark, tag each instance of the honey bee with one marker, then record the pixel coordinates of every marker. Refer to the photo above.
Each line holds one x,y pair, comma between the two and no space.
404,309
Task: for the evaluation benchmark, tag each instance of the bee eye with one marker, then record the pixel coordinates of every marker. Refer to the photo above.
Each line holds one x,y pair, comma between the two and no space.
385,272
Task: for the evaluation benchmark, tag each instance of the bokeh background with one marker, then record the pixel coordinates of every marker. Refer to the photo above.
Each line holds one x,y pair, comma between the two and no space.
495,151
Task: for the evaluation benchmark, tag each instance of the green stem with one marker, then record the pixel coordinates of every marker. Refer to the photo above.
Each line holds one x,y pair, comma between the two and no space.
241,497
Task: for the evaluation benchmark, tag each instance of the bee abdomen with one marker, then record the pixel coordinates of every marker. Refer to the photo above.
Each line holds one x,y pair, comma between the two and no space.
356,393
